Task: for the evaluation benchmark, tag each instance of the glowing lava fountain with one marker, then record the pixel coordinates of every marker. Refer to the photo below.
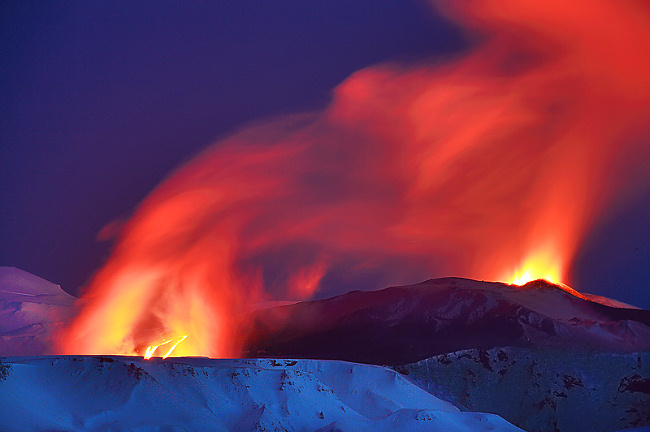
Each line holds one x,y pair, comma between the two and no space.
489,165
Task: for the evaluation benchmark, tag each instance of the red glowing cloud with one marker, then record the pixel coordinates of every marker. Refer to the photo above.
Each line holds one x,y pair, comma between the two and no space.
490,167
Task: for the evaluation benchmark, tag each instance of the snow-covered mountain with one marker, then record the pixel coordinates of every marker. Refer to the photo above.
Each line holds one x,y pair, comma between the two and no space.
542,357
402,325
77,393
32,310
543,390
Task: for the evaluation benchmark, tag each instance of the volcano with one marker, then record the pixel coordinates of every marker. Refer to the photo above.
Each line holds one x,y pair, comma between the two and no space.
405,324
540,356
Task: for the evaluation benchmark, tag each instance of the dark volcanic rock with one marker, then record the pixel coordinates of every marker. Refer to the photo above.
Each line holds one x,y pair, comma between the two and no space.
401,325
543,390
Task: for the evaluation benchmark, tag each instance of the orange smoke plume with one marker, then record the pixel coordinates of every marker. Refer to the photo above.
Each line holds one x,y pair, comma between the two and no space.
492,167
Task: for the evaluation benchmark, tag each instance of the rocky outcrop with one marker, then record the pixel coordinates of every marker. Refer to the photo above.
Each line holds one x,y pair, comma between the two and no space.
543,390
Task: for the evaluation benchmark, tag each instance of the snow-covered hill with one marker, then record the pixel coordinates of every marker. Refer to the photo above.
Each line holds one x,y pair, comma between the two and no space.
32,310
77,393
544,390
401,325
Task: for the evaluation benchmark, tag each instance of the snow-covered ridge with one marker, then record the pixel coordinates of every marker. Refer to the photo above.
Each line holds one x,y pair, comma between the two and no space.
84,393
32,311
19,284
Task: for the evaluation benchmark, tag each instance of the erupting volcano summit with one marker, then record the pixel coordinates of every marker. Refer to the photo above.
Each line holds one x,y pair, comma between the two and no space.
491,166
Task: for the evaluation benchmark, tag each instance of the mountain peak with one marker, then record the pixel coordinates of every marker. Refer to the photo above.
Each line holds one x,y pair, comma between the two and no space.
17,282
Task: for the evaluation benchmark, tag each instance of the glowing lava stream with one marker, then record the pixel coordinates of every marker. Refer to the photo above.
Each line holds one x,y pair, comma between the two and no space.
152,349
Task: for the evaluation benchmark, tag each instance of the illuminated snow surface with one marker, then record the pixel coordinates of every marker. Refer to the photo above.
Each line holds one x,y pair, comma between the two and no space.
84,393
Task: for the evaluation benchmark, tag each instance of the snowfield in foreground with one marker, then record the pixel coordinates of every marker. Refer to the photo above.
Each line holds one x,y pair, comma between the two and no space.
84,393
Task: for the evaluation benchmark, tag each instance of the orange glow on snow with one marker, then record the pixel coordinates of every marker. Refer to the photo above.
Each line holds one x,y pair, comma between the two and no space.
492,166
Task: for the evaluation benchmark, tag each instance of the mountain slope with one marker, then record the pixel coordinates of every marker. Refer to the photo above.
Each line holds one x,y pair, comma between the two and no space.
32,311
543,390
401,325
78,393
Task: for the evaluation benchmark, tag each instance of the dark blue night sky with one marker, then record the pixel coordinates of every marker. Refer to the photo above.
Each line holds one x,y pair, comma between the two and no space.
101,100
